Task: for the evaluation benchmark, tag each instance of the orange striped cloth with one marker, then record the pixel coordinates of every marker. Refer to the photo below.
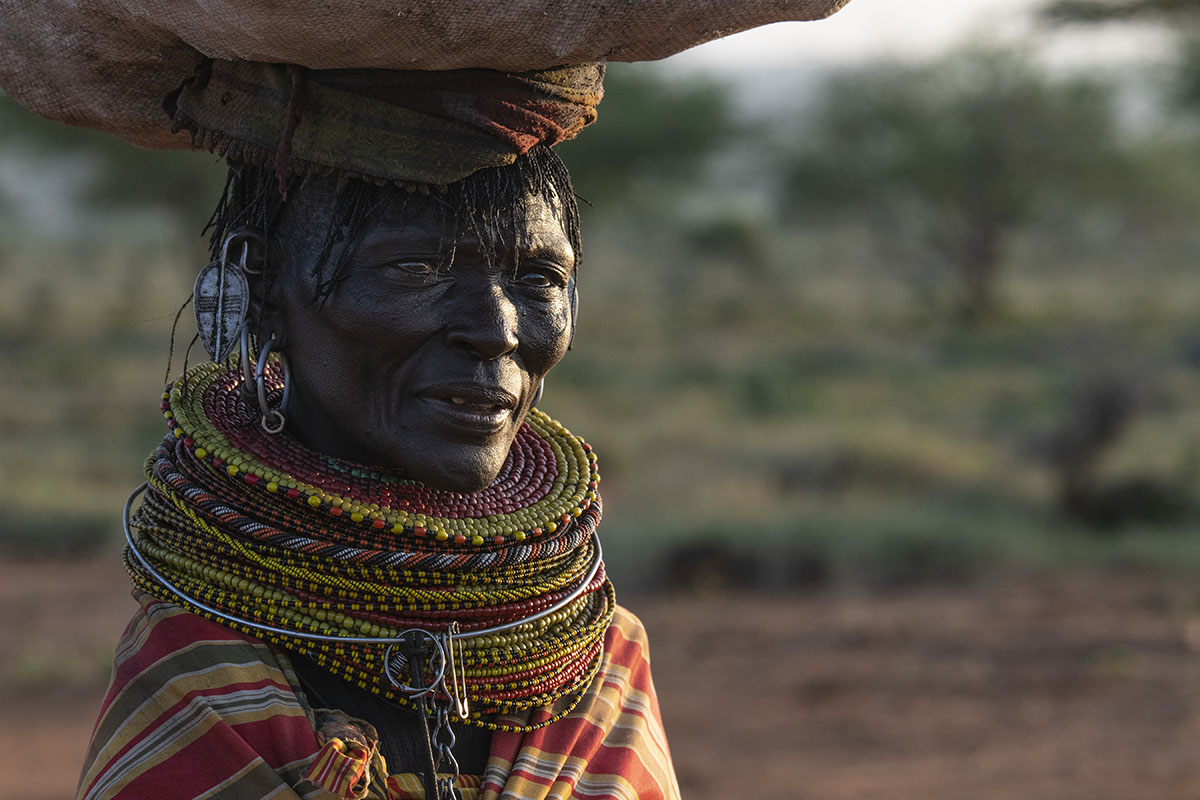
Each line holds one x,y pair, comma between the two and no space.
196,710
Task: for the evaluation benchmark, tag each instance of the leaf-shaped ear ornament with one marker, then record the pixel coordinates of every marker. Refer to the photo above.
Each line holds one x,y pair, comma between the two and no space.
221,299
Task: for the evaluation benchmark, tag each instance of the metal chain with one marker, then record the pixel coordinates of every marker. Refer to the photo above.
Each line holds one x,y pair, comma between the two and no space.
443,740
415,647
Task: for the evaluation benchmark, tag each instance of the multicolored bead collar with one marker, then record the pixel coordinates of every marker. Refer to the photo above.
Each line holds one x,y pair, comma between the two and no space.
335,560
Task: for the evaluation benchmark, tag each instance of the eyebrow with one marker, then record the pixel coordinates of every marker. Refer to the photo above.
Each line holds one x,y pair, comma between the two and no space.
550,252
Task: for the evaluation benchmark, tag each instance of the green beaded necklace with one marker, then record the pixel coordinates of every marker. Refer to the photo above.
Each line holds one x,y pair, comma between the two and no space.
341,563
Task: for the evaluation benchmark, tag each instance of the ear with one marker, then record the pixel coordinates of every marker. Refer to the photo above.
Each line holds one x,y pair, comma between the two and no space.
247,249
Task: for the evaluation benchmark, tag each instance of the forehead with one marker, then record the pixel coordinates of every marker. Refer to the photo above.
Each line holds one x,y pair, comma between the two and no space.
518,220
329,232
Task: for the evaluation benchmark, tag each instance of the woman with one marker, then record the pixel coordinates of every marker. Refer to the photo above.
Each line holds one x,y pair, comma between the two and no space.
367,567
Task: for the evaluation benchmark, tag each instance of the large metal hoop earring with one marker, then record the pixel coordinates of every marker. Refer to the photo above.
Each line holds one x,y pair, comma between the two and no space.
537,396
246,362
273,419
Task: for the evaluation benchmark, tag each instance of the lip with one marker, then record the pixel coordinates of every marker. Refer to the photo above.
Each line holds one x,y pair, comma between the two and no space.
471,406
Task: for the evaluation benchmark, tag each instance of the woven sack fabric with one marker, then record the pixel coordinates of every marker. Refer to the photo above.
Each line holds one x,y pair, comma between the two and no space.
108,64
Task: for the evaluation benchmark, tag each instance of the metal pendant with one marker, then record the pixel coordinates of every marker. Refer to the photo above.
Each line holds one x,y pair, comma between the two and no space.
221,298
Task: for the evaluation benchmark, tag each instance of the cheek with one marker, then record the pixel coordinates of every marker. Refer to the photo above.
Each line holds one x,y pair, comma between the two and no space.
370,319
546,336
336,348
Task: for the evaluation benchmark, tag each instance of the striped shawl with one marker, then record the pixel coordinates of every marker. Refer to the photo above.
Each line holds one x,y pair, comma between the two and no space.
195,710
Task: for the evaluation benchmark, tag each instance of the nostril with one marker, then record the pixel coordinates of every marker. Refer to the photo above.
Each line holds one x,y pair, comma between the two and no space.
488,329
489,348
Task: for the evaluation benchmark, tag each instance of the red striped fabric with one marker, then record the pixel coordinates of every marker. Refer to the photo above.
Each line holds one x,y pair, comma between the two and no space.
195,710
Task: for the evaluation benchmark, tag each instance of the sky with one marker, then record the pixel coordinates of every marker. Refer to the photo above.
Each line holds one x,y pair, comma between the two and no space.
914,29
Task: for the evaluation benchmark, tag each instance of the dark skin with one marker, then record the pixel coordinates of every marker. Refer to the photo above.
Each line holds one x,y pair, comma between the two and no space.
426,358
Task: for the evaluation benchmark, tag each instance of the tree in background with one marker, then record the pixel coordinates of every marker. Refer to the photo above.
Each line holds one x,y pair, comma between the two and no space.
1182,17
1114,10
946,161
652,130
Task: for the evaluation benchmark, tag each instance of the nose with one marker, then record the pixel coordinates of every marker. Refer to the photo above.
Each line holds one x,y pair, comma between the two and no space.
484,322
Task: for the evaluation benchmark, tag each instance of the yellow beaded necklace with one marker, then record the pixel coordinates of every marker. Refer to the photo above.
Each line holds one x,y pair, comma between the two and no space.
338,561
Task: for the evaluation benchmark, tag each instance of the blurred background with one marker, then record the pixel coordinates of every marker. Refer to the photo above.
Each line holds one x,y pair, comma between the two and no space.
888,344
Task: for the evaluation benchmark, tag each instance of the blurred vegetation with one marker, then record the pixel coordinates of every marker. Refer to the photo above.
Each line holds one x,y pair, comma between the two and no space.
948,161
1180,17
773,369
656,136
112,173
1122,10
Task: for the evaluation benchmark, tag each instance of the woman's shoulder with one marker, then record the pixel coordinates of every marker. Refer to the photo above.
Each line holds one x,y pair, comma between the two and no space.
628,622
626,638
191,703
165,644
158,623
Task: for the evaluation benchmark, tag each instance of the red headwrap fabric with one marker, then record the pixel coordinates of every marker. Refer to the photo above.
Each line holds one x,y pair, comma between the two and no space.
383,125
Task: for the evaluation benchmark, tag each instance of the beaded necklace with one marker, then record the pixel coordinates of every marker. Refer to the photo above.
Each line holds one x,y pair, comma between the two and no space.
336,561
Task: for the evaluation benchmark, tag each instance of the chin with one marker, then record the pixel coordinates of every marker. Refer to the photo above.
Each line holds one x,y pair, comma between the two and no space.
464,482
470,472
467,486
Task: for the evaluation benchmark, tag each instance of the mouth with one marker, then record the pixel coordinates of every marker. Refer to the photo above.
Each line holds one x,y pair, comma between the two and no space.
472,405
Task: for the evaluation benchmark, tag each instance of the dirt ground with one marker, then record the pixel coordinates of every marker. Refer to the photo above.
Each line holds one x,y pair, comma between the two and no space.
1083,686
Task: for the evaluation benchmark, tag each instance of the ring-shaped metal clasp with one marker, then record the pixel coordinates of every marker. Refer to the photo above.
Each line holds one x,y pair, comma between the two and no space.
390,665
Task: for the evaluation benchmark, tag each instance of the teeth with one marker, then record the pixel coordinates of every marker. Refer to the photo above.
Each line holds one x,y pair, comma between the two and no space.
481,407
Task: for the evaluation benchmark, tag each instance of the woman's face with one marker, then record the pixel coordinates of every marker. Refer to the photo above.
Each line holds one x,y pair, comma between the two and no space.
426,356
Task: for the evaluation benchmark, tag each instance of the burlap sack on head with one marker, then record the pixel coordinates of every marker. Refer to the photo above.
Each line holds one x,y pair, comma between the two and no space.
108,64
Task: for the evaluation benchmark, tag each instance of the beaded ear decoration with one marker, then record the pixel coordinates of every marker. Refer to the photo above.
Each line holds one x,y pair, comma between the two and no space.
353,567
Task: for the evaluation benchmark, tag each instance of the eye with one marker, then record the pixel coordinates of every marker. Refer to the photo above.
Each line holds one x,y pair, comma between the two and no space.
541,274
417,266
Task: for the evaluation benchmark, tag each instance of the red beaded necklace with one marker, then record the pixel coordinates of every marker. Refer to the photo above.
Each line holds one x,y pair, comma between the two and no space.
336,560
